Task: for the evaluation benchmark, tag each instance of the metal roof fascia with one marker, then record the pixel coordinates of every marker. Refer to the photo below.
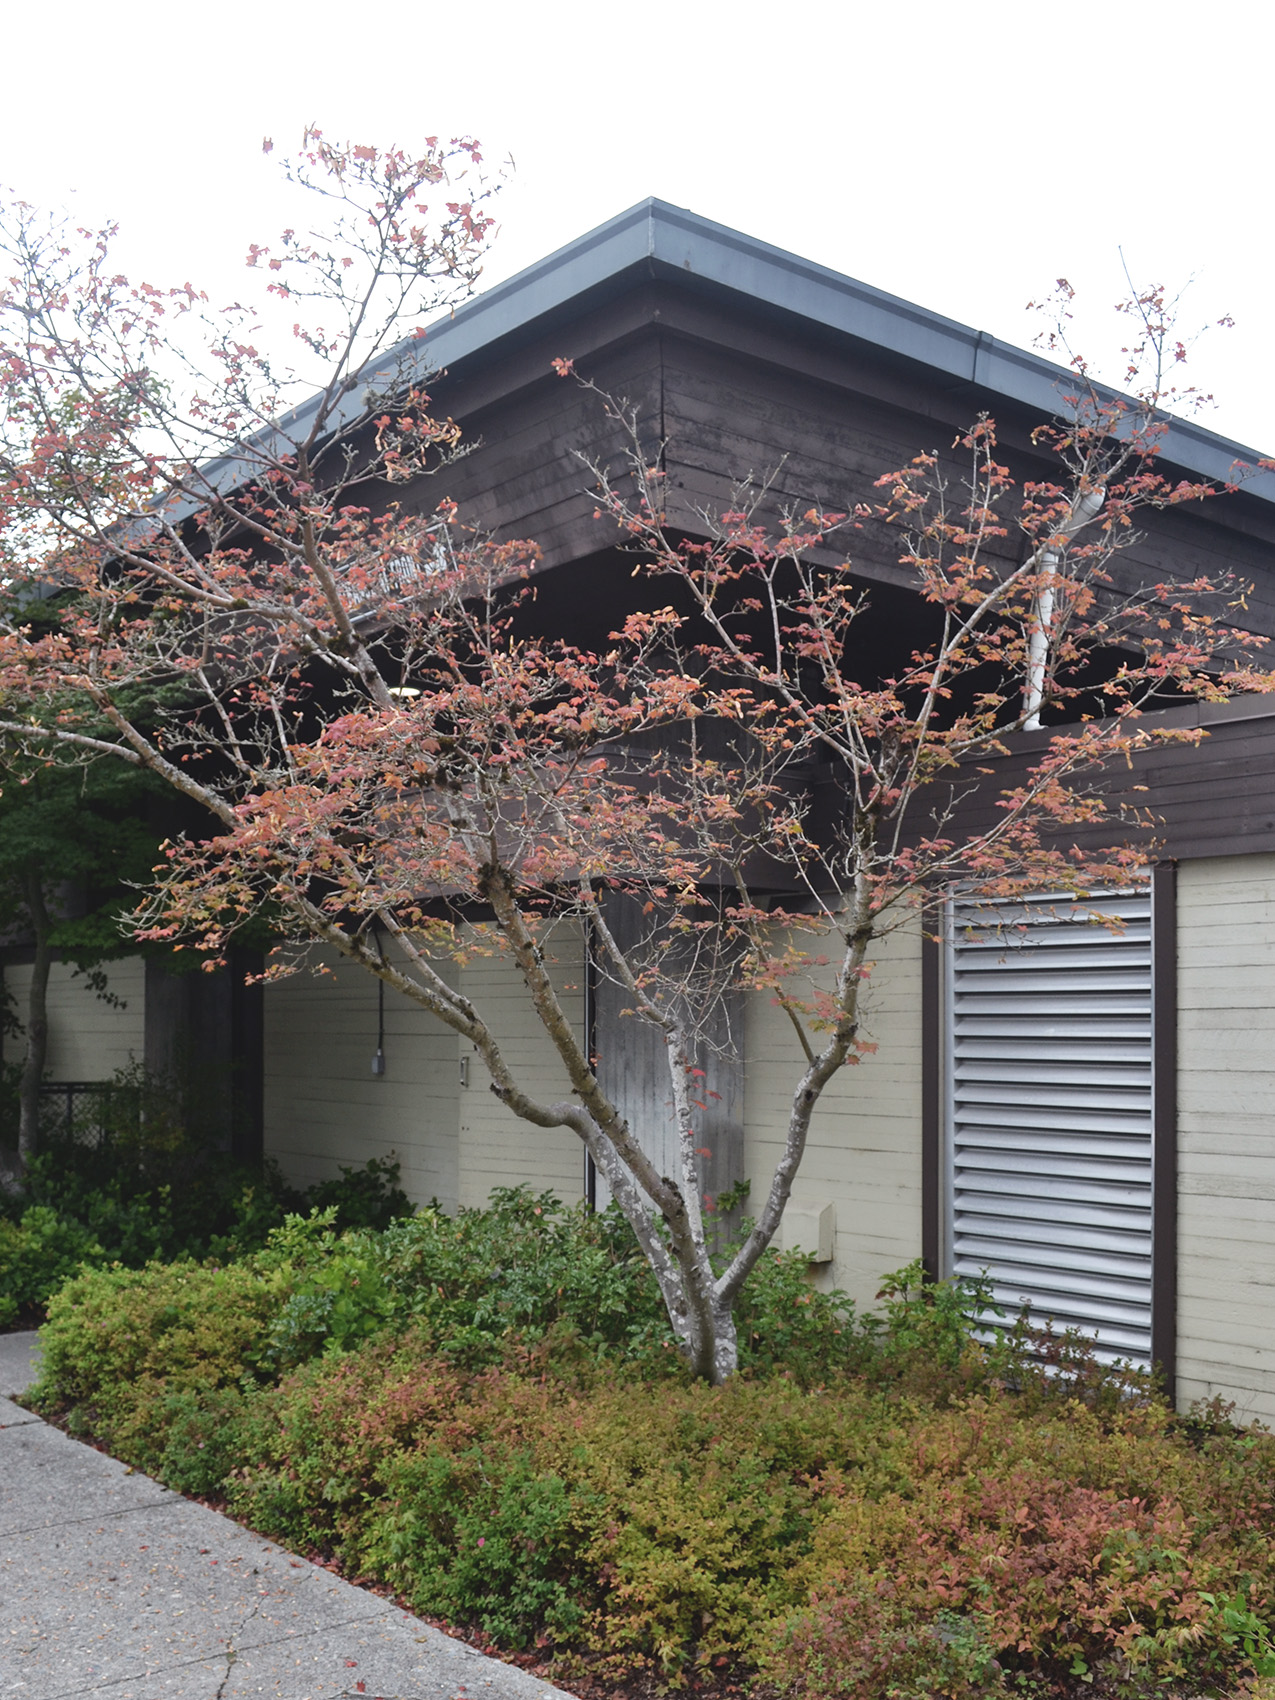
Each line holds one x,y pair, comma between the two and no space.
595,258
685,242
679,243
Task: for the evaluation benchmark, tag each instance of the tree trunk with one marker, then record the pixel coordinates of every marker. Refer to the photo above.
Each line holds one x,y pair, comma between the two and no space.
712,1344
37,1024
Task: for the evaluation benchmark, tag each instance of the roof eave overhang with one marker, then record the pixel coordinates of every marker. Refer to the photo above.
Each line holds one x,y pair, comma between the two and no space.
659,240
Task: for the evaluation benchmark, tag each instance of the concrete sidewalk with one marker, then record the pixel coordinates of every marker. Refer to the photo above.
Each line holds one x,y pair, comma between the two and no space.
113,1587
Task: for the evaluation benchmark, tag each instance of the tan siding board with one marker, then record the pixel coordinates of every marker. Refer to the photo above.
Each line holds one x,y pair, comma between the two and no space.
1231,1317
1240,1228
1230,1341
1229,1109
495,1147
1229,938
1231,894
1230,887
323,1106
1258,1193
1220,1123
1233,1042
1220,1169
1251,1367
1223,1018
1226,986
1196,1382
1216,1278
1226,1131
864,1151
1235,1137
89,1039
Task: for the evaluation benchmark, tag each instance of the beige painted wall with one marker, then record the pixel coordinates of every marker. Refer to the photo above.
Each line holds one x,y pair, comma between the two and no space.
1226,1132
88,1038
496,1148
324,1107
864,1152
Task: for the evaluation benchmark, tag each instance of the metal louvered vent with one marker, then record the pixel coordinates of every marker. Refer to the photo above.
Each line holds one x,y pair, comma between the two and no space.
1050,1111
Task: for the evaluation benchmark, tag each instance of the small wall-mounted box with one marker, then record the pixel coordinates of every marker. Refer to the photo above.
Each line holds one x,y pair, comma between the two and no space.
810,1229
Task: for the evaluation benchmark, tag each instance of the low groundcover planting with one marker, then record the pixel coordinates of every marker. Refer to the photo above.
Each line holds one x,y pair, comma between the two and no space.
485,1414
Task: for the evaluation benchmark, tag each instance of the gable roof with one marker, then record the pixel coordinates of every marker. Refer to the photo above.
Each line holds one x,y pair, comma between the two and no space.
656,240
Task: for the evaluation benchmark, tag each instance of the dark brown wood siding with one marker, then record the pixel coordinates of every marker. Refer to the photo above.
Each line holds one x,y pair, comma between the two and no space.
736,393
1215,798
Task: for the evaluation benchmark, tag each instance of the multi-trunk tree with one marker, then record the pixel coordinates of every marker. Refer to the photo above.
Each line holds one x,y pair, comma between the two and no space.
383,748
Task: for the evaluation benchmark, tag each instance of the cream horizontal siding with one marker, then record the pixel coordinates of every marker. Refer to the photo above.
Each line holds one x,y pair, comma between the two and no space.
496,1147
864,1151
323,1106
1226,1132
89,1038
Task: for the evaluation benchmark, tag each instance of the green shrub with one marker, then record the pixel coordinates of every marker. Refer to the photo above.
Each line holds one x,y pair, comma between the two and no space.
866,1647
37,1254
1072,1545
650,1524
1243,1628
786,1325
488,1538
119,1341
10,1081
339,1296
842,1542
144,1203
483,1412
136,1178
204,1434
367,1197
523,1268
525,1275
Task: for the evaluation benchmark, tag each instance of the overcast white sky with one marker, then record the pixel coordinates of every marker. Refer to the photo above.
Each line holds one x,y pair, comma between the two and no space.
961,156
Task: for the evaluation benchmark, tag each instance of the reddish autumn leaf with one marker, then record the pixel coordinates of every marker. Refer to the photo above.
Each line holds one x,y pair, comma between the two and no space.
353,695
